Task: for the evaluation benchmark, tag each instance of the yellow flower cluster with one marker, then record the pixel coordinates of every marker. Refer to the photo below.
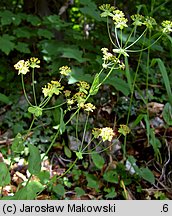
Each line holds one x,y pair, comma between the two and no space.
34,62
119,19
23,66
117,15
52,88
124,129
89,107
65,70
109,59
106,133
138,19
167,26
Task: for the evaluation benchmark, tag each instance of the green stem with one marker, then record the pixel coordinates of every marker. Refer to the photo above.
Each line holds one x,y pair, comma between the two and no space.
112,68
92,148
49,108
85,128
132,31
146,47
109,34
24,90
116,36
33,86
136,39
52,143
147,85
76,128
68,169
130,105
44,102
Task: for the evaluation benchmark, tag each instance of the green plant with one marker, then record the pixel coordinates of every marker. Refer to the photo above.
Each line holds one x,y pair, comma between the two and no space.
79,101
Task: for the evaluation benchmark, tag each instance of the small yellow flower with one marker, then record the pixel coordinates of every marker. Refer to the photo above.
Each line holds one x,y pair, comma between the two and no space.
67,93
167,26
52,88
124,129
119,19
83,85
96,132
65,70
106,133
55,83
89,107
22,67
70,101
34,62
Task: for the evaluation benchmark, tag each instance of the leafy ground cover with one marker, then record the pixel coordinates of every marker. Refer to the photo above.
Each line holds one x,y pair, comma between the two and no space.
89,117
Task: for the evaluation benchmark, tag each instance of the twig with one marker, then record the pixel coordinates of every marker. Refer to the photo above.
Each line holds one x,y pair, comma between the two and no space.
7,141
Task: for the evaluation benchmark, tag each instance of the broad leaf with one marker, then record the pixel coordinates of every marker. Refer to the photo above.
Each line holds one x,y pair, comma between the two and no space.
34,160
29,192
22,47
4,175
73,53
4,98
79,191
59,189
98,160
94,88
146,174
167,113
37,111
18,144
92,180
6,44
67,152
111,176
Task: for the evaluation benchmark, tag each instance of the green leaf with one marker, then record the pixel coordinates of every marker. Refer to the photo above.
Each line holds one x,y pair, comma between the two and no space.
98,160
73,53
34,20
78,74
90,9
146,174
67,152
167,113
79,155
79,191
22,47
59,189
94,88
127,70
6,17
92,181
4,175
44,176
45,33
119,84
6,44
138,119
34,160
35,110
29,192
18,144
111,176
111,193
23,32
4,98
164,76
